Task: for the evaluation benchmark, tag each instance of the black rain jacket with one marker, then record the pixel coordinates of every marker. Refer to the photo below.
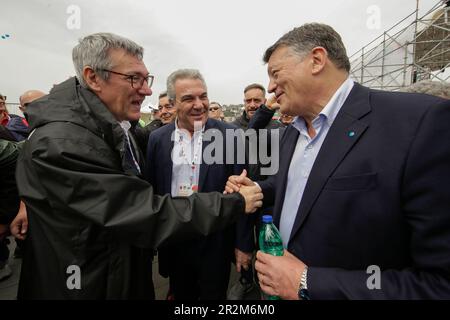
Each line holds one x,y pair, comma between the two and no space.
86,214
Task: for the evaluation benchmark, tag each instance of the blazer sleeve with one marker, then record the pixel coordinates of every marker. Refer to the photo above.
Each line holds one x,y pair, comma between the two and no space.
268,187
245,239
426,210
261,118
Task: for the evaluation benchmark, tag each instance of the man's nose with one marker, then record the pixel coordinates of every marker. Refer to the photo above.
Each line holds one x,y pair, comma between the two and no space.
198,103
145,90
272,86
254,104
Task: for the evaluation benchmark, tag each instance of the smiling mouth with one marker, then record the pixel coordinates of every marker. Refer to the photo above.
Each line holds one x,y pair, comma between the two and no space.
197,115
278,97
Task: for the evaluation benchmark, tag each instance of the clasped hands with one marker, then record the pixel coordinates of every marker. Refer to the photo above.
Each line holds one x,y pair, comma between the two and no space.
251,192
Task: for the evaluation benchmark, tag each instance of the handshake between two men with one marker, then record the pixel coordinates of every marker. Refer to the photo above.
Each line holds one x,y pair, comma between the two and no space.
247,188
251,192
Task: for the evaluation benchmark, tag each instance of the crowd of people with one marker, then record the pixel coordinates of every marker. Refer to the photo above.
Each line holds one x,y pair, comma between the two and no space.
92,196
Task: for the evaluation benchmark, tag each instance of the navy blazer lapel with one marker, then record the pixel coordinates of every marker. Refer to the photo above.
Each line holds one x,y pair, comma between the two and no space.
166,158
287,149
345,131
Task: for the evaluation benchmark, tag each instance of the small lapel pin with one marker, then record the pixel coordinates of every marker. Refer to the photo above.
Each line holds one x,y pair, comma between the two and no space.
351,133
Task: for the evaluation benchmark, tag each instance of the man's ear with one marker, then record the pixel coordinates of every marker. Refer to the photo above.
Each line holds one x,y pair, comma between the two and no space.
92,79
319,59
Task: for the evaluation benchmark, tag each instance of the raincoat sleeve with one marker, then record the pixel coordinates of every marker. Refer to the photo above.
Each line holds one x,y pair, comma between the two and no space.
77,178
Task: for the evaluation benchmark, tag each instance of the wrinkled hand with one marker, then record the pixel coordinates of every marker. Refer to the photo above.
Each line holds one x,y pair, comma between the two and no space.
253,197
19,226
279,275
234,183
272,103
243,259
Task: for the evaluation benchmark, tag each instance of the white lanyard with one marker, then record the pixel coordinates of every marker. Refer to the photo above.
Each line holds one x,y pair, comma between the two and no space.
193,161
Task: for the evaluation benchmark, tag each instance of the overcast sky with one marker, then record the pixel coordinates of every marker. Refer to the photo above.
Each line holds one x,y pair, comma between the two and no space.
224,39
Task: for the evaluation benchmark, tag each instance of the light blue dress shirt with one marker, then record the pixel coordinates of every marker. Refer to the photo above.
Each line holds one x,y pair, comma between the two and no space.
304,156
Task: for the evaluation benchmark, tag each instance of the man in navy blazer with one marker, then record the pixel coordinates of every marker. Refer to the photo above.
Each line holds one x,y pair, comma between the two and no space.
362,196
199,268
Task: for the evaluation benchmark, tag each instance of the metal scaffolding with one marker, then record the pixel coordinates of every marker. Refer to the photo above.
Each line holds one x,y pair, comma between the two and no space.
414,49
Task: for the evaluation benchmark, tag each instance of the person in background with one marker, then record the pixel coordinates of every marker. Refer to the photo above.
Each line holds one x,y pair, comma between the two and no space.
215,111
28,97
254,98
166,114
16,125
197,268
434,88
285,119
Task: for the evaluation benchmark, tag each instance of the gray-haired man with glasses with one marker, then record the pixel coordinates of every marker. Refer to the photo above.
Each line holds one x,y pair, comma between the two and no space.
90,213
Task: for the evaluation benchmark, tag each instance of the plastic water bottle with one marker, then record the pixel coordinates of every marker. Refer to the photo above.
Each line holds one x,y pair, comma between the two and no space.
270,242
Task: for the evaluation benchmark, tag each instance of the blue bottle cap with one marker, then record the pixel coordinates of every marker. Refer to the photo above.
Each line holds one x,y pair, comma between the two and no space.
267,219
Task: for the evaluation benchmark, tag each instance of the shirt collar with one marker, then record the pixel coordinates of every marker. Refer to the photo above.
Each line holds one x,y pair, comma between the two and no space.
184,131
126,125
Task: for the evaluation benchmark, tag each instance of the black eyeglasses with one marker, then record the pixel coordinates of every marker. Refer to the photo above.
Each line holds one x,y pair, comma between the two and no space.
213,108
137,81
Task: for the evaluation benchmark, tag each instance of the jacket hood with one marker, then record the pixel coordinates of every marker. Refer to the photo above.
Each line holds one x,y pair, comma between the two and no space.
70,102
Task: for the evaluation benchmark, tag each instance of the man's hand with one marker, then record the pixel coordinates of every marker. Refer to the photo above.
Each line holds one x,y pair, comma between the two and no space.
279,276
243,259
272,103
253,198
19,226
234,183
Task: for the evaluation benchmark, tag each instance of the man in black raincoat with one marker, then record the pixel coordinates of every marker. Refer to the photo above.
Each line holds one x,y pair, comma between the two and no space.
89,211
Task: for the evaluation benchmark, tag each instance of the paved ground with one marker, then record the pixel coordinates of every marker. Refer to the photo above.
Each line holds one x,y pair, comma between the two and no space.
8,287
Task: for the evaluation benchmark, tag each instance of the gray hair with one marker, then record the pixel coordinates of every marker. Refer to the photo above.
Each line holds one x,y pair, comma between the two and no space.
214,102
310,35
182,74
435,88
94,50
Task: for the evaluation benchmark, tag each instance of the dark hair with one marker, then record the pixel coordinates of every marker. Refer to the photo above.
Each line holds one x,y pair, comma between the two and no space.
162,95
310,35
255,86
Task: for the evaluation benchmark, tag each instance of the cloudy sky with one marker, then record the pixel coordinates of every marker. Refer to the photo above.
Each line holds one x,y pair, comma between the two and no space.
224,39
